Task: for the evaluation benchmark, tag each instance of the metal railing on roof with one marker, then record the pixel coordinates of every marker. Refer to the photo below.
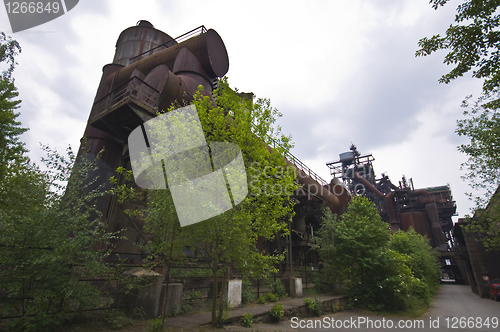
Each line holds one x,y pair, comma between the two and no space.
195,32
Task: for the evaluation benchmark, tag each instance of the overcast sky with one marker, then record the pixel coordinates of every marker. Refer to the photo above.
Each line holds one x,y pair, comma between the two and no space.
339,71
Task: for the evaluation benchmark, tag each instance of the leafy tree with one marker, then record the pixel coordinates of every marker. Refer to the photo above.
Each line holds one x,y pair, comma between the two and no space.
482,125
230,238
159,218
473,42
11,148
421,258
474,45
47,228
331,275
380,270
47,225
359,237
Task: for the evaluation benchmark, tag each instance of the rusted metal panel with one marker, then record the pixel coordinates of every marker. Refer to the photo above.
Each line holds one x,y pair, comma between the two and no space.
138,40
207,47
419,221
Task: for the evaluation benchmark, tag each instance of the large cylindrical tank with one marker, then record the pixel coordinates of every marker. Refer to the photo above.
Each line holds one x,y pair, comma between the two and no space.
139,39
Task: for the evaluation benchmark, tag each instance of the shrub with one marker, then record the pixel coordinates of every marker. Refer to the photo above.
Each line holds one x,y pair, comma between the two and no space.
272,297
316,305
261,299
278,288
246,292
277,311
309,303
247,320
155,325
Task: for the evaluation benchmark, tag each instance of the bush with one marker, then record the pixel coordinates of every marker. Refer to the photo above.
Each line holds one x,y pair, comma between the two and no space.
272,297
309,303
277,311
278,288
261,299
316,305
247,320
246,292
155,325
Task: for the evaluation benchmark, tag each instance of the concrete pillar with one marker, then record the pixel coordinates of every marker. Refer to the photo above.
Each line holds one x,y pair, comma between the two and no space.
144,300
233,292
173,299
295,287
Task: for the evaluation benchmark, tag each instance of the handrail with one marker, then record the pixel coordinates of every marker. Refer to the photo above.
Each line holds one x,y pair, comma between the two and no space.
299,164
134,88
177,40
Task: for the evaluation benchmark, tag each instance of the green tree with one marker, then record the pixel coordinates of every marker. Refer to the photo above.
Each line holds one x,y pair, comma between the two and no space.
331,275
48,226
360,237
473,42
229,239
421,258
379,270
11,148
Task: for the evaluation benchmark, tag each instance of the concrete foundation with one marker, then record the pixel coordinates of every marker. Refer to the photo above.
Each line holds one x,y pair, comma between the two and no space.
145,300
296,287
173,299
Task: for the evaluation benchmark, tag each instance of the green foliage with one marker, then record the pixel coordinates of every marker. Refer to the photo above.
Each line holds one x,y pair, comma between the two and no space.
272,297
155,325
278,288
231,237
472,42
277,311
247,320
11,148
48,229
316,306
481,124
421,258
116,319
228,238
309,303
246,292
261,299
328,278
381,271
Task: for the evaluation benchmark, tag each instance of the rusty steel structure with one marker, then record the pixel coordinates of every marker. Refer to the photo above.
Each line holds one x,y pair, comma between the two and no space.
428,210
151,71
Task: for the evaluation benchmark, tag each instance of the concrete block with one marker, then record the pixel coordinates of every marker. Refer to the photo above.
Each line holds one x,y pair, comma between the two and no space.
296,287
174,297
144,300
233,292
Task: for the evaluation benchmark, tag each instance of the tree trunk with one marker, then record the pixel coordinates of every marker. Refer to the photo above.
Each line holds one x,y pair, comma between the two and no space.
214,296
222,299
167,277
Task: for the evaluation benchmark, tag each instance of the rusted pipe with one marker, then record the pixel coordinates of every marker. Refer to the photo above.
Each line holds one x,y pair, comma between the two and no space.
386,198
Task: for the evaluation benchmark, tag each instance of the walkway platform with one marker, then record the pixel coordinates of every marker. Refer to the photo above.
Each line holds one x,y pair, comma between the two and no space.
290,305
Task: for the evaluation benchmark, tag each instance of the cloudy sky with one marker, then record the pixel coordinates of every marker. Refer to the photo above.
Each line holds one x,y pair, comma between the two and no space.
339,71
